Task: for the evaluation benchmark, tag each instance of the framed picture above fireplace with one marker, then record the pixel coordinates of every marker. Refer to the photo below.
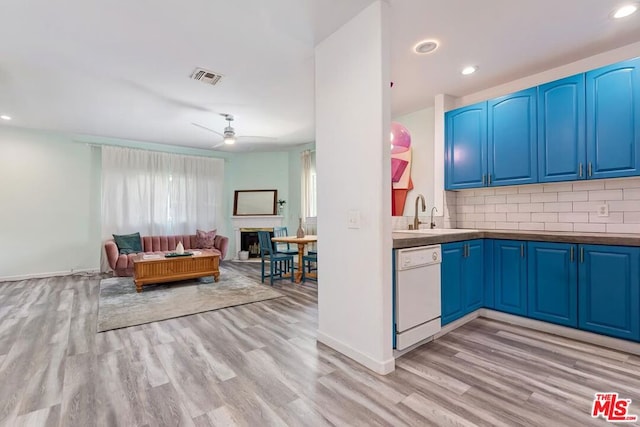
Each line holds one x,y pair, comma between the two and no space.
255,202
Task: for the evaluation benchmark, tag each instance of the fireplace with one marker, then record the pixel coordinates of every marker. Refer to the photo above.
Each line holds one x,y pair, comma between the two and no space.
252,223
249,240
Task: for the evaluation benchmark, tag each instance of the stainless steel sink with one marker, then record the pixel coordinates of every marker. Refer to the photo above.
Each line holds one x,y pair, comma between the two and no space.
436,231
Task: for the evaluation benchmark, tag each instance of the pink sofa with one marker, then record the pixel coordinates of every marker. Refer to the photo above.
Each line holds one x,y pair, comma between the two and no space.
122,265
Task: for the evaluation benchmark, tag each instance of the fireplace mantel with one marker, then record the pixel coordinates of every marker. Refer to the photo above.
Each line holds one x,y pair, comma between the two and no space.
252,221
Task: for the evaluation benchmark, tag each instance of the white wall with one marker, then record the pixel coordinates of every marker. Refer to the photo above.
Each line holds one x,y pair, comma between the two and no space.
49,209
420,126
353,160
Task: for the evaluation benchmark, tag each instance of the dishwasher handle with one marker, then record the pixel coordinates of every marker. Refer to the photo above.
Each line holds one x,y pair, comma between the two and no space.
418,257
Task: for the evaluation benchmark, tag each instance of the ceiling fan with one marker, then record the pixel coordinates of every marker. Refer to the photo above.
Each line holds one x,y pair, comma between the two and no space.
229,136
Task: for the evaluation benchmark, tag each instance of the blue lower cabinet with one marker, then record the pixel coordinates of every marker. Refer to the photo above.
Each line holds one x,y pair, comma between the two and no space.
608,291
510,276
552,282
488,273
452,281
462,289
473,270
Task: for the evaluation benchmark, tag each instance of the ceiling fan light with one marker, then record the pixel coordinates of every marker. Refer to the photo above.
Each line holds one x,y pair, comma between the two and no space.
230,140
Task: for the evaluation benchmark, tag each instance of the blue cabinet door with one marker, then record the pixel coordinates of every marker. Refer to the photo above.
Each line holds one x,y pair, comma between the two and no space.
473,275
552,282
561,130
466,147
488,273
613,120
608,290
512,145
510,276
452,285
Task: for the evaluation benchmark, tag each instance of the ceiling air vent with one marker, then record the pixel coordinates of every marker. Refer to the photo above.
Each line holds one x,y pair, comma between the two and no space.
206,76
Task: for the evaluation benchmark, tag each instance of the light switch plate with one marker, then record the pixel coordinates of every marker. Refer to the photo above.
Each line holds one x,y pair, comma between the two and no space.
353,219
603,210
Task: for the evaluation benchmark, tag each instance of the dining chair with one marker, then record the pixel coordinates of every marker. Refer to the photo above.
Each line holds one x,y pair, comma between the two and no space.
279,263
308,262
283,248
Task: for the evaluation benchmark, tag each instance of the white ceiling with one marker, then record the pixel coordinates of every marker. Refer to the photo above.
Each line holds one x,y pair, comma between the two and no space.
120,68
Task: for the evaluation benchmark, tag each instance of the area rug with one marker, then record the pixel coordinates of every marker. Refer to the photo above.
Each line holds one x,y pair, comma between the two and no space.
119,305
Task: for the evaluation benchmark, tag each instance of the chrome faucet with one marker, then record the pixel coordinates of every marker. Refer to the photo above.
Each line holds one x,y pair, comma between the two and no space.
433,224
416,221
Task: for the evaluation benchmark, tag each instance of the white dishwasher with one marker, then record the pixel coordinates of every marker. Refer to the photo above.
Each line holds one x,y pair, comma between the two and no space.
417,294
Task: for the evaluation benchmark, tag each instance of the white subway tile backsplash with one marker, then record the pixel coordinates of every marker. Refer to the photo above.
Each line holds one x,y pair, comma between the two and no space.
622,183
531,226
558,226
531,207
566,206
604,195
631,194
588,185
529,189
586,206
557,187
558,207
506,190
496,199
544,197
544,217
495,217
624,206
573,196
507,208
623,228
613,218
518,217
519,198
589,228
573,217
632,217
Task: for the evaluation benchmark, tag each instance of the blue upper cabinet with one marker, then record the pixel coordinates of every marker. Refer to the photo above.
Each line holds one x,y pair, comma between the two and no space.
553,282
510,276
613,120
561,130
512,145
609,290
466,147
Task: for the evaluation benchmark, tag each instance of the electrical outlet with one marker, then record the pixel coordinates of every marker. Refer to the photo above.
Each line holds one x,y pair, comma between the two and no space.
353,219
603,210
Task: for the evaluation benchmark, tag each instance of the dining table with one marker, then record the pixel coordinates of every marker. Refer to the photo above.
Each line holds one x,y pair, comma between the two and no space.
301,242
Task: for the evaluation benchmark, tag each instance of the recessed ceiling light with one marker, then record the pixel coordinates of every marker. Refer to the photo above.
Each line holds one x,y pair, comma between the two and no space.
3,117
625,11
426,46
469,70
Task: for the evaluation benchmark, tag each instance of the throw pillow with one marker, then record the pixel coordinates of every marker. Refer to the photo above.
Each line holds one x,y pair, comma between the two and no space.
128,243
204,239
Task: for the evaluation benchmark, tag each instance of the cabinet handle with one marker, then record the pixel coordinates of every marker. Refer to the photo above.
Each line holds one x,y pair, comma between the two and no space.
571,254
581,255
464,250
489,176
589,169
522,250
483,178
580,170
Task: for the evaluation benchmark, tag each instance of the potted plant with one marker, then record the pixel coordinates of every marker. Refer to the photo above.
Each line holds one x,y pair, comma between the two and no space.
281,204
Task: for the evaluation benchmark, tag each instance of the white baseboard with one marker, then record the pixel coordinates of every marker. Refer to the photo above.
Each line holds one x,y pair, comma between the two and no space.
49,274
380,367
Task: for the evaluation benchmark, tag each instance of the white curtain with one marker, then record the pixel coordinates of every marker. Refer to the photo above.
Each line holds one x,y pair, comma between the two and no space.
308,184
159,193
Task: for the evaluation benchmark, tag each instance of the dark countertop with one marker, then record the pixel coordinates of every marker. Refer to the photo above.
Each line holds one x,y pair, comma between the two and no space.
409,240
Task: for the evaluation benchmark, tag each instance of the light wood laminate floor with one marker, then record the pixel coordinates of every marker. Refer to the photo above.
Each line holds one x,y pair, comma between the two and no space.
259,364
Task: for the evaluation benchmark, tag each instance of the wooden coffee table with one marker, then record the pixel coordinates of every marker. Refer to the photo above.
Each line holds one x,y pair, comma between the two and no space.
161,270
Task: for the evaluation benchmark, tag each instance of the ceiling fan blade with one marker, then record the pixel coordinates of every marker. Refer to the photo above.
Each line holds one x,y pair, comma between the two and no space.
266,138
206,128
